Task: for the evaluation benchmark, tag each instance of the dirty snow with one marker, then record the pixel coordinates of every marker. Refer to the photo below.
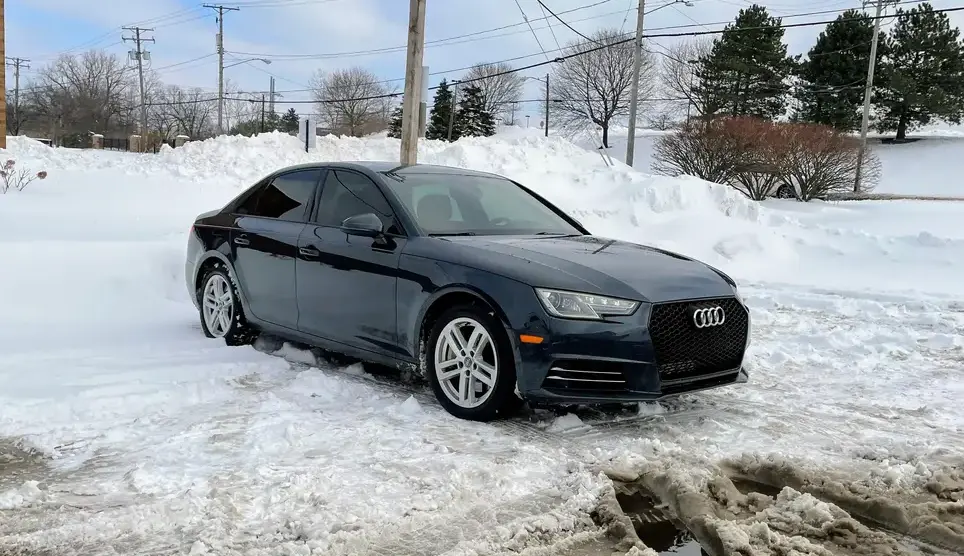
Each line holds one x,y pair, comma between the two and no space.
124,430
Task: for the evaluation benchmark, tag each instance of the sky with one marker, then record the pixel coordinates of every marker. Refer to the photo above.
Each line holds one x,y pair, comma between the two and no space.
302,37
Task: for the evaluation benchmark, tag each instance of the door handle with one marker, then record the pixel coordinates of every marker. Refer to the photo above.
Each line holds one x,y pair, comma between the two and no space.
242,241
308,252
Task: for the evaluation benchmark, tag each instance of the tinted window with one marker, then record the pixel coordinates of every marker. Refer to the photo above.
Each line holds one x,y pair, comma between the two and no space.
458,203
285,197
348,194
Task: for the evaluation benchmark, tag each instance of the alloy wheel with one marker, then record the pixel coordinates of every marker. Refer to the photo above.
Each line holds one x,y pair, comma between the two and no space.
466,362
217,304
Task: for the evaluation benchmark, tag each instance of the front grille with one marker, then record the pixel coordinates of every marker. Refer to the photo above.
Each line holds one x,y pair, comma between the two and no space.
684,351
586,376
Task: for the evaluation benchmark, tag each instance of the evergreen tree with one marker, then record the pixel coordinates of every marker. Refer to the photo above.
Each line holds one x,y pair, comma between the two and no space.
395,125
471,118
438,125
831,92
746,72
922,76
289,121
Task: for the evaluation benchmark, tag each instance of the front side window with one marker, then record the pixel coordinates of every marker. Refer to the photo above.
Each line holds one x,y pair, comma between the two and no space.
284,198
348,194
446,204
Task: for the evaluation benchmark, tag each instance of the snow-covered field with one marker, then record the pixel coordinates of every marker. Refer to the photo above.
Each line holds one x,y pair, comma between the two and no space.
122,430
923,167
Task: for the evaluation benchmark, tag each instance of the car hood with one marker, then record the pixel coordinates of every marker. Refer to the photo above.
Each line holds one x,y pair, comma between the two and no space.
606,266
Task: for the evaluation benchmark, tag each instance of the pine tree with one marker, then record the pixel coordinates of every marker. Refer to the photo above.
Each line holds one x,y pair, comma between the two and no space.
438,125
289,121
831,92
922,76
471,118
395,125
746,72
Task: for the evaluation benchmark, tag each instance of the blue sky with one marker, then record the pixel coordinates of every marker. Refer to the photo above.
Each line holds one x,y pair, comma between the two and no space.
290,32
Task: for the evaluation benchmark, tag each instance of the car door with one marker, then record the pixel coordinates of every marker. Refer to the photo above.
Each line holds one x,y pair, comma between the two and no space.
346,282
264,244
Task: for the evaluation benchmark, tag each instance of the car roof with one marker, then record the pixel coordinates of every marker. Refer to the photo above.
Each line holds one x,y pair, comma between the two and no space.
385,167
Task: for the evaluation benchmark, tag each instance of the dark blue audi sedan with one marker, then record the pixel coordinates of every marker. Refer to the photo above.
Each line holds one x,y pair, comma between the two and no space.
490,292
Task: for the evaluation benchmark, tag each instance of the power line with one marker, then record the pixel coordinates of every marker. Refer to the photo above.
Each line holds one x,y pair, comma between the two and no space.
619,42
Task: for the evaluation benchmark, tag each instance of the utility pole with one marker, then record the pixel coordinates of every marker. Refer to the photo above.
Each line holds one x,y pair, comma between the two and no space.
271,93
262,112
138,54
634,91
17,64
547,105
413,66
868,90
3,79
455,97
220,46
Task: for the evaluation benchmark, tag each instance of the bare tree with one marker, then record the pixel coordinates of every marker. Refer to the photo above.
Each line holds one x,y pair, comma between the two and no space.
678,73
352,101
500,90
592,88
191,112
86,92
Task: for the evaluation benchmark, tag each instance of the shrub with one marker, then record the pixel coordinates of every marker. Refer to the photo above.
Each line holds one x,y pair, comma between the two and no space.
819,160
706,149
12,178
756,156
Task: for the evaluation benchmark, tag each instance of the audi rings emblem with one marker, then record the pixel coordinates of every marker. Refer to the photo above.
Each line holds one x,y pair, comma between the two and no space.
709,316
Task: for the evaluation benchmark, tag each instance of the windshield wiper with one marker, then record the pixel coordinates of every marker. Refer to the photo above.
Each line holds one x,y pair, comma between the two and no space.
453,234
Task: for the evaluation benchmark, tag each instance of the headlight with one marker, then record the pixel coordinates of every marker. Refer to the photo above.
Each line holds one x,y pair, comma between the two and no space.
574,305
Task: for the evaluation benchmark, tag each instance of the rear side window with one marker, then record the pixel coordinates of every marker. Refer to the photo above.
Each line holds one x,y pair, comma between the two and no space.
285,198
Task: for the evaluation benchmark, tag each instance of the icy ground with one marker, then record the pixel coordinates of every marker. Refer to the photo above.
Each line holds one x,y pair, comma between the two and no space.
122,430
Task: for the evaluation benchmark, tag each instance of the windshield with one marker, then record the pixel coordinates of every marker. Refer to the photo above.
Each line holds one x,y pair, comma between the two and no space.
455,204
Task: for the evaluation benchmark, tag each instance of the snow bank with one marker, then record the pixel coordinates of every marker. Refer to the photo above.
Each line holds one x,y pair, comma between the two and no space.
615,201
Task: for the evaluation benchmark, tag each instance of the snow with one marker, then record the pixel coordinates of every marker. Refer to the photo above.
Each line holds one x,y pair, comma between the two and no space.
125,430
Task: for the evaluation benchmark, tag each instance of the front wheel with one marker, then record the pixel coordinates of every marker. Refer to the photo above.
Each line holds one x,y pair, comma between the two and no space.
471,367
786,192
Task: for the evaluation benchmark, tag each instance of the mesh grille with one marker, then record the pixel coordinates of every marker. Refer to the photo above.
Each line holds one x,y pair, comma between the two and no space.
683,350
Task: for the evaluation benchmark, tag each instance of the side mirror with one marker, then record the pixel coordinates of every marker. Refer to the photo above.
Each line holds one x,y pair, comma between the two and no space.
368,225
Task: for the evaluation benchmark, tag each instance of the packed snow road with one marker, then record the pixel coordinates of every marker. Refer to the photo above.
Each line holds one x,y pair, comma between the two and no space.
122,430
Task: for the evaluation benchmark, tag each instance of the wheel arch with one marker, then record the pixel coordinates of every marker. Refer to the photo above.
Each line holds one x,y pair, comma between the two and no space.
452,296
208,261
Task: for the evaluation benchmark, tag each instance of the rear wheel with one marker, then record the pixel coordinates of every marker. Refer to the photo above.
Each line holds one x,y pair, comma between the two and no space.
471,366
222,315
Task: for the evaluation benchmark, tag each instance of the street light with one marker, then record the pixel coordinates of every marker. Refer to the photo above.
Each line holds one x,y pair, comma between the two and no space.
265,60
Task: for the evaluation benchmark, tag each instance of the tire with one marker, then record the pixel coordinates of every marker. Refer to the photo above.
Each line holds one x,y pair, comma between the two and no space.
495,400
231,326
786,192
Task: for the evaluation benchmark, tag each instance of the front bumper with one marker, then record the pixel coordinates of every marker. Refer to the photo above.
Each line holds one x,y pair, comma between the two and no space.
653,354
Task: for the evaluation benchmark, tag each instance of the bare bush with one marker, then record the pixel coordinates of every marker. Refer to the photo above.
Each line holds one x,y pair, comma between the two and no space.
593,86
756,156
500,90
819,160
12,177
706,149
352,101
